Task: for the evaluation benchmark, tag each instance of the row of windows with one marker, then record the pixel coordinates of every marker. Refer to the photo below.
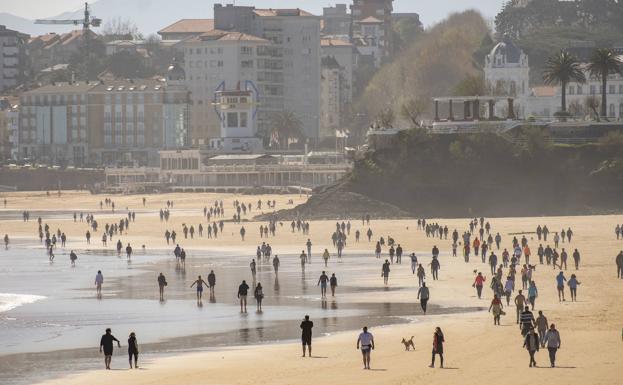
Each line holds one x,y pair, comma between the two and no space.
129,140
595,89
54,99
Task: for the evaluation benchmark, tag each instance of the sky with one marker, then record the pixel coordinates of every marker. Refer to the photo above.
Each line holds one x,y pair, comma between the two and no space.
430,11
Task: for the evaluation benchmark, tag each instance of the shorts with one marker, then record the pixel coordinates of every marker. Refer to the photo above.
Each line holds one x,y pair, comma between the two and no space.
199,289
561,287
306,340
243,297
323,285
366,349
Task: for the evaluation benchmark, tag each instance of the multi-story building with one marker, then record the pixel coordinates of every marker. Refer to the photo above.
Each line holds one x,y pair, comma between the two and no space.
215,61
9,118
288,69
12,57
372,19
346,55
330,99
104,122
336,21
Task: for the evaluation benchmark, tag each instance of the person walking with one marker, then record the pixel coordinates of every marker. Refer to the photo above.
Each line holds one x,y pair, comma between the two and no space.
560,285
520,301
276,264
496,308
553,342
479,283
199,282
526,321
366,341
212,283
322,282
576,259
243,289
435,266
162,282
533,293
573,287
333,284
306,335
619,263
133,350
531,343
106,346
99,281
438,341
325,257
413,263
385,272
423,294
421,274
259,296
541,326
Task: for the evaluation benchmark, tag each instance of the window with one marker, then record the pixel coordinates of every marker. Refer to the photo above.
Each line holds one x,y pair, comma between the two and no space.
621,110
580,90
246,50
621,89
220,51
220,63
232,119
612,89
247,64
118,99
571,90
611,110
243,119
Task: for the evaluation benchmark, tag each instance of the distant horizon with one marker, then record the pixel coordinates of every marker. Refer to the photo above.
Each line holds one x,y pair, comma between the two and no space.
430,14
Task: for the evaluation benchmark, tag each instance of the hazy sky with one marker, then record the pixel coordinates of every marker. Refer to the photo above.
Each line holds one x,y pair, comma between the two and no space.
430,11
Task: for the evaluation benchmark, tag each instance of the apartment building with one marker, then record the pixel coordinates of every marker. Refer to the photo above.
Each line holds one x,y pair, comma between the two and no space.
336,21
12,57
372,22
330,99
288,69
216,61
103,123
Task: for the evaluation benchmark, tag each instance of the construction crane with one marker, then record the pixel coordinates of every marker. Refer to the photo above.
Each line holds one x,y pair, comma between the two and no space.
87,23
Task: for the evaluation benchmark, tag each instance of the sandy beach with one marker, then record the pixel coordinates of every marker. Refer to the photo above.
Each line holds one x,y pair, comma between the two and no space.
476,351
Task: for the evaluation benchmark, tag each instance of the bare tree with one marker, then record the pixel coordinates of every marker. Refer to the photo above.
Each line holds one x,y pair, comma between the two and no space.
117,28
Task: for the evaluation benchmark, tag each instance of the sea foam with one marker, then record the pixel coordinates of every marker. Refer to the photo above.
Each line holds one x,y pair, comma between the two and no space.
10,301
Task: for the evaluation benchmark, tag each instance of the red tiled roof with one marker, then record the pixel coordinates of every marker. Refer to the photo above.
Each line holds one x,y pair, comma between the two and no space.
544,91
189,26
371,20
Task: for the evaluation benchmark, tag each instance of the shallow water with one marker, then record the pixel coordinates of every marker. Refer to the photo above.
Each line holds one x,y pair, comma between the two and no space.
59,333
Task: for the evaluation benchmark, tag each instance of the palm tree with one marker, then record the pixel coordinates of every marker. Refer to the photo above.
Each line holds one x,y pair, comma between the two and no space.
602,63
562,68
286,125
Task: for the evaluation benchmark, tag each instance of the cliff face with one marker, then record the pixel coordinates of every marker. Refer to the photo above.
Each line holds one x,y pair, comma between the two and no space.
467,175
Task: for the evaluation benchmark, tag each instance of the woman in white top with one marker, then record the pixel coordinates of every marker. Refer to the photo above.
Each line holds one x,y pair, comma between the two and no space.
99,280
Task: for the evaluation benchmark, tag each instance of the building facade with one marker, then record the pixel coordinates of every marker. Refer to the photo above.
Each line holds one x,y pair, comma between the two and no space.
373,18
215,61
330,97
103,123
288,69
13,57
336,21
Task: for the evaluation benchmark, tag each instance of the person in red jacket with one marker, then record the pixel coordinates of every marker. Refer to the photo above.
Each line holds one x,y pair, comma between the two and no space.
478,283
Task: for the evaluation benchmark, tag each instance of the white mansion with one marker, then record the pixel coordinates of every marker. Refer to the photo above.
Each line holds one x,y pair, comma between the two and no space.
507,73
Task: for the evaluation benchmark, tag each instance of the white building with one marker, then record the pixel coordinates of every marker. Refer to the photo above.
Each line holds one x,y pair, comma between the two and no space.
215,61
507,73
288,69
346,55
237,112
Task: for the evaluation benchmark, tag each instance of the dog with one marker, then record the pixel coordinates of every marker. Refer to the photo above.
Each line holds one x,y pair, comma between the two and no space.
408,344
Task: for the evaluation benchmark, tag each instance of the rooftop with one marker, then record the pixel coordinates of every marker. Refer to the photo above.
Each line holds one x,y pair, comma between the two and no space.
281,12
544,91
240,157
333,42
189,26
217,34
370,20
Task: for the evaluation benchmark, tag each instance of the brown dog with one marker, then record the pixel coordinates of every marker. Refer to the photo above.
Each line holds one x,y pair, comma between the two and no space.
408,344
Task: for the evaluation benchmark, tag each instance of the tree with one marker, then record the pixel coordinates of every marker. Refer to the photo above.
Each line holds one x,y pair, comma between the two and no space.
592,104
128,65
117,28
286,126
562,68
471,85
603,62
386,117
412,110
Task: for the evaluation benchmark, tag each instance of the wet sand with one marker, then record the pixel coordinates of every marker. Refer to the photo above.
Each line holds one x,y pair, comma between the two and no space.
478,351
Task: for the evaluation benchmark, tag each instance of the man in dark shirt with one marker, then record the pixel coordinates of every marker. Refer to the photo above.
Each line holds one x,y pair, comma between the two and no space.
242,294
306,336
106,344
